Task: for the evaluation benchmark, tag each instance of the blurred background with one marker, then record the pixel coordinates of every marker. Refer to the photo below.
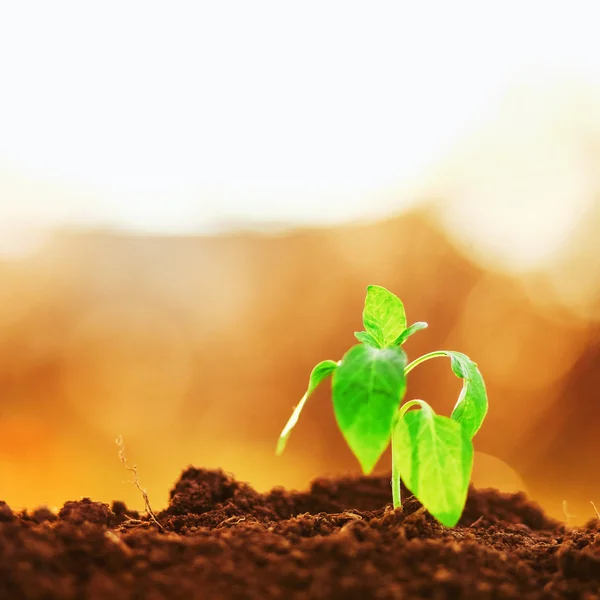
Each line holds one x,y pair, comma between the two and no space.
194,197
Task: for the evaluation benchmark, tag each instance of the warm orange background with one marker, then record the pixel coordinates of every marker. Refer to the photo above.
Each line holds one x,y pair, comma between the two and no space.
447,151
196,349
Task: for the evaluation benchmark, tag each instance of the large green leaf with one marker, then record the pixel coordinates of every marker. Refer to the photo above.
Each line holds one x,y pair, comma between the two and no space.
383,316
368,387
472,404
435,458
320,372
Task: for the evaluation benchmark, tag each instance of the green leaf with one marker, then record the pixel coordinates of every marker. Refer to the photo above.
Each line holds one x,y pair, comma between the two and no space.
408,332
472,404
383,316
320,372
435,459
368,387
366,338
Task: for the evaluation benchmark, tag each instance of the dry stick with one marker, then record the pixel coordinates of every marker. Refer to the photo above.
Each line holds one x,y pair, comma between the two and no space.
595,510
566,513
136,481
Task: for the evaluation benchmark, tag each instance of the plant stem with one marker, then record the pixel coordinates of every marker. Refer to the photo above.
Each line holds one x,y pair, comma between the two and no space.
396,491
422,359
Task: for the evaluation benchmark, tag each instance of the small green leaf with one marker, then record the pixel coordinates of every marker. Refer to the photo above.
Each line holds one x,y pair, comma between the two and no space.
368,387
366,338
383,316
435,459
472,404
408,332
320,372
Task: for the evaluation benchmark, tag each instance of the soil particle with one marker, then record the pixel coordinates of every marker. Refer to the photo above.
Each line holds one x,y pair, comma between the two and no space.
223,540
87,511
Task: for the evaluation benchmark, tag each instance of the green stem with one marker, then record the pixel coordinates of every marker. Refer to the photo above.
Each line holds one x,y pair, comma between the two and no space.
410,404
422,359
396,491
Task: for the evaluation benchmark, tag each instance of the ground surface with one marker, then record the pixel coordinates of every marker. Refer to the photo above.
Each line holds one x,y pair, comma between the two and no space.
220,539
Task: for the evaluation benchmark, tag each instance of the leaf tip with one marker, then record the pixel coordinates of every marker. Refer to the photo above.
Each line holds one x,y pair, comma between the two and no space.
367,460
281,444
449,519
366,467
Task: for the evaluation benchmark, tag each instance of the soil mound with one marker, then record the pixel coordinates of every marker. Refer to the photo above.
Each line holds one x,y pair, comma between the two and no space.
221,539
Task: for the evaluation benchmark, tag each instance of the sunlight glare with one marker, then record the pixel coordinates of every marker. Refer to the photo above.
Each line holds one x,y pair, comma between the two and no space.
186,116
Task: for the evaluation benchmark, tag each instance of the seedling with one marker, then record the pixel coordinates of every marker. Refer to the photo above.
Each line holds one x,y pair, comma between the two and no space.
433,454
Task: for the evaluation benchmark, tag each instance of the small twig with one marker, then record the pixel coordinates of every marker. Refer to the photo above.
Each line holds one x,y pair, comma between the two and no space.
235,520
568,516
595,510
136,481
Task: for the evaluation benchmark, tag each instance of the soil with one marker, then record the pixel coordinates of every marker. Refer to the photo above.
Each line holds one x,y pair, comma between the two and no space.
220,539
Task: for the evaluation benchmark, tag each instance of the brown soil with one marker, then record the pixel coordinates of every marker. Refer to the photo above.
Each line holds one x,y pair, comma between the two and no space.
221,539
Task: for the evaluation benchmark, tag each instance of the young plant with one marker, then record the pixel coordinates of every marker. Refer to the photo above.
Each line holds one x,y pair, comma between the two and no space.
433,454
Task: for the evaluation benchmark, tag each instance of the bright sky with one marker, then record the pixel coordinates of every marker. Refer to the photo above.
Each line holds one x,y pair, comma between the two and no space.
174,116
